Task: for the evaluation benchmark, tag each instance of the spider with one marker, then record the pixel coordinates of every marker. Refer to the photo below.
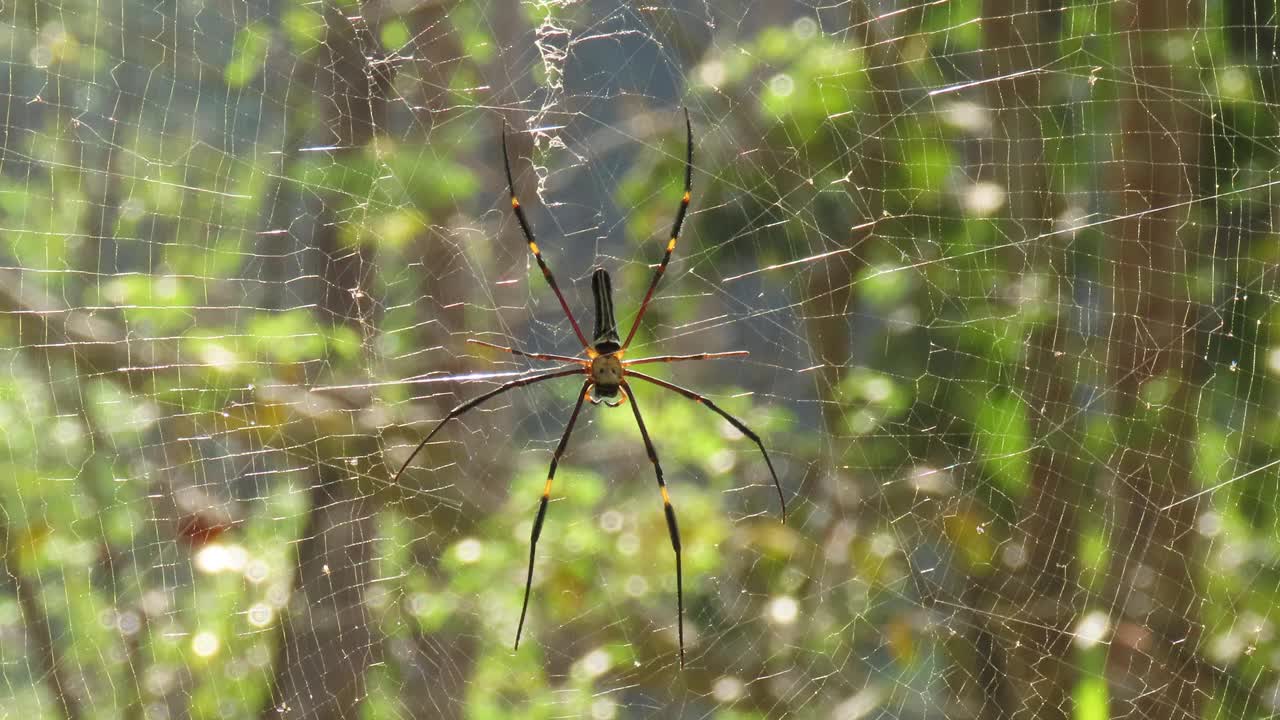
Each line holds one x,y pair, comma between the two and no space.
606,378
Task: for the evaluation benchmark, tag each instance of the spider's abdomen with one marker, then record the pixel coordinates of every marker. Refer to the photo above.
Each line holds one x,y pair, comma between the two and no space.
606,339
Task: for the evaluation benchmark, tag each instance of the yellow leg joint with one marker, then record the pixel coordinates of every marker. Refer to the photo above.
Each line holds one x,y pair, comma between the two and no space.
515,203
546,489
671,245
686,198
666,499
533,247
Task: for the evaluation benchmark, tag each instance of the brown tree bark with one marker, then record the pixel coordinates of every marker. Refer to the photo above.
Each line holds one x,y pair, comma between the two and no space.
326,640
46,661
1031,604
1151,590
829,297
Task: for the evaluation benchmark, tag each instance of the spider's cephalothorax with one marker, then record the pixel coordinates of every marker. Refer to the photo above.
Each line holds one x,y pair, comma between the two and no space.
606,379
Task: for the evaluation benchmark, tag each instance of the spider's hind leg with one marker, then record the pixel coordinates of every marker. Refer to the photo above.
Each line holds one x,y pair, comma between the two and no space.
672,529
542,506
741,426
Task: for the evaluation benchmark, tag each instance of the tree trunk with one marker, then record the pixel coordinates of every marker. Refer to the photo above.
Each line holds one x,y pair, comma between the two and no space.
326,640
1033,602
327,643
1151,589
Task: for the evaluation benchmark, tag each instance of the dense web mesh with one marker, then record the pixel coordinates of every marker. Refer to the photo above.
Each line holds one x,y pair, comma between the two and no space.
1005,271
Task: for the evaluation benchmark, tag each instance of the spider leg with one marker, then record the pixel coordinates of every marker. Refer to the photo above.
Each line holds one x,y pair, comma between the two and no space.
675,228
732,421
542,506
476,401
533,245
670,513
535,356
679,358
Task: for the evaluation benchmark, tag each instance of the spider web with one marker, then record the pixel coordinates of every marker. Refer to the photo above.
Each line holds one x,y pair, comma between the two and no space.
1005,270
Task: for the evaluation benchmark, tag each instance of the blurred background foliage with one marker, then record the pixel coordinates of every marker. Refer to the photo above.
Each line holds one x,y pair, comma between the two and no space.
1006,271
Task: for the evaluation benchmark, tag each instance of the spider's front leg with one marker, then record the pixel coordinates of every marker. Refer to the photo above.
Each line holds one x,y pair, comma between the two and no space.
522,353
464,407
675,230
527,229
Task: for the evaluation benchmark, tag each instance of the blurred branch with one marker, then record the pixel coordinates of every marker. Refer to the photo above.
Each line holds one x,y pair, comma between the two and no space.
1151,580
441,662
134,708
1036,671
88,339
326,640
43,648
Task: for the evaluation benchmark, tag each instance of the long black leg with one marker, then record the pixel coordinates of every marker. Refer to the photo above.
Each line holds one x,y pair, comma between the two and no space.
732,421
533,244
542,506
675,228
476,401
670,513
679,358
533,355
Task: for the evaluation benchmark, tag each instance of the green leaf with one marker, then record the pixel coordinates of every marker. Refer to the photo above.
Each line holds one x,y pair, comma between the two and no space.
1091,685
248,55
292,336
395,35
1004,439
304,27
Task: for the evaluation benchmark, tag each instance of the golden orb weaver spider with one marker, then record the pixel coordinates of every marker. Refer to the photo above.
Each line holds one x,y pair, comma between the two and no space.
606,381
